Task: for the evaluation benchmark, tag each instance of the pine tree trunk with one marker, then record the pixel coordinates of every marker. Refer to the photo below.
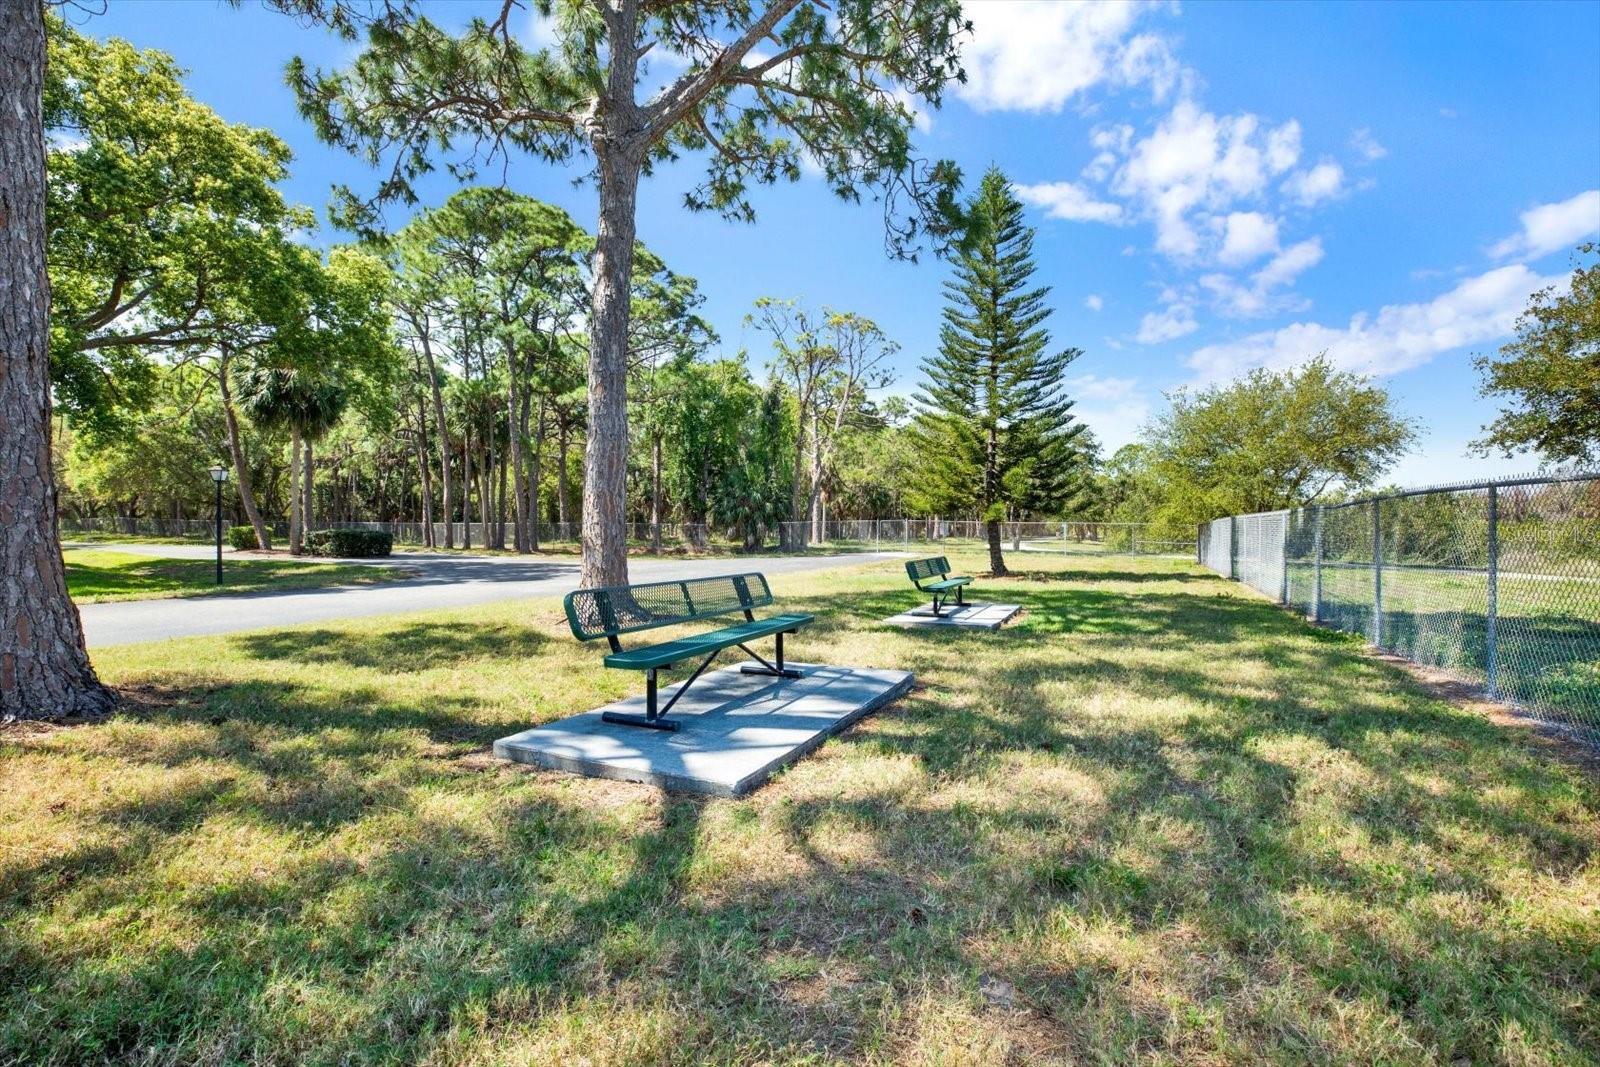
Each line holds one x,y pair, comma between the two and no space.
426,475
306,487
296,513
241,471
563,444
997,561
655,493
517,423
535,476
444,444
605,459
466,485
44,669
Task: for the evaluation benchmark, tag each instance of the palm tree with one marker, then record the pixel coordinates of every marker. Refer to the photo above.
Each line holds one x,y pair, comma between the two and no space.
309,405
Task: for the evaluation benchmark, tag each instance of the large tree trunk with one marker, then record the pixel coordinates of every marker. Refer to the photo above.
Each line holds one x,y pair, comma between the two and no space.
44,670
444,444
605,454
241,471
296,511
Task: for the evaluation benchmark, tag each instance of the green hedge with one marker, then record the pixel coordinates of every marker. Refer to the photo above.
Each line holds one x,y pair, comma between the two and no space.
243,538
350,543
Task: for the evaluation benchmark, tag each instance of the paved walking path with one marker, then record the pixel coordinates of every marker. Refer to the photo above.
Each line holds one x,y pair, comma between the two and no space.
440,581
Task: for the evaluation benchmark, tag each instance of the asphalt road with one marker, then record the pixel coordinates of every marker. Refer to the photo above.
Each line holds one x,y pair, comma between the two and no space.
440,581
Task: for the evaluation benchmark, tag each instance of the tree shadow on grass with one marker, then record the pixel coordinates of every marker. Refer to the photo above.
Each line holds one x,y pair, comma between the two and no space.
403,649
1195,886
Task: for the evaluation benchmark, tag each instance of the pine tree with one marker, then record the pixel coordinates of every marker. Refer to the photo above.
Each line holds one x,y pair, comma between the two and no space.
995,425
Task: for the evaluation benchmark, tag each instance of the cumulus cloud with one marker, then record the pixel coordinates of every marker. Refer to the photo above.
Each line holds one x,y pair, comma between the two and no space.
1260,293
1094,302
1246,236
1174,321
1552,227
1322,182
1397,338
1066,200
1036,55
1197,161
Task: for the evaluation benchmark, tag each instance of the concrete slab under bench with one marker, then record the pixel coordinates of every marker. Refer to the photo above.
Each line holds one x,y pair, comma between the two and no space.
735,729
968,616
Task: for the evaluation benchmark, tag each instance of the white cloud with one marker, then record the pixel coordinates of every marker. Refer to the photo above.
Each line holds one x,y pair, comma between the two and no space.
1397,338
1197,162
1036,55
1552,227
1174,321
1289,264
1367,145
1113,408
1322,182
1247,236
1283,147
1094,302
1260,294
1066,200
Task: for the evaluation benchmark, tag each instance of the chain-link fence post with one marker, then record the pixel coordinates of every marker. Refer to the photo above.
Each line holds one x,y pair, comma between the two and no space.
1284,554
1316,567
1491,632
1377,572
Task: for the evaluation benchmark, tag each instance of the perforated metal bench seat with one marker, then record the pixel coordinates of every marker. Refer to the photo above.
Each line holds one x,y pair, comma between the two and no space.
937,568
625,609
670,652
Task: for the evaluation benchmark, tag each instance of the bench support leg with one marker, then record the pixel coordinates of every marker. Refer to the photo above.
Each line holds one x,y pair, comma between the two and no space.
777,670
652,718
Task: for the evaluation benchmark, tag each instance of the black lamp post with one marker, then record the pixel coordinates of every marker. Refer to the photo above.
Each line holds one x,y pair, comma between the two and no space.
219,474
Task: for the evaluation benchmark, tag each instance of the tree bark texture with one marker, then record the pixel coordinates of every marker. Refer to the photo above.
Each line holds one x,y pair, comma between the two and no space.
44,669
618,149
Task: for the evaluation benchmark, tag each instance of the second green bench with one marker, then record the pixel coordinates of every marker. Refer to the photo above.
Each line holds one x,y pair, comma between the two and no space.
932,576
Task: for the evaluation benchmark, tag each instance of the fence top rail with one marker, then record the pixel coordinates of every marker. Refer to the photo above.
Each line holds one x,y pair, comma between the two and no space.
1443,487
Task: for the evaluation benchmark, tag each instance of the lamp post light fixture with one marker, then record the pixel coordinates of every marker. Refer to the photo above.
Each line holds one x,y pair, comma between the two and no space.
219,474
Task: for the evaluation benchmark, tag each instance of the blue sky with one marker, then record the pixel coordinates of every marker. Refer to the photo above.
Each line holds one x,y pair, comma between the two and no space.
1216,187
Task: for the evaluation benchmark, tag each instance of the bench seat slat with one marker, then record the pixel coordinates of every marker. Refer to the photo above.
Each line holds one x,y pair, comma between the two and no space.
640,659
948,583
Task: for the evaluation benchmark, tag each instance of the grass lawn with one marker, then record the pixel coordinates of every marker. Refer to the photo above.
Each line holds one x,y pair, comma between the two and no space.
1156,820
95,574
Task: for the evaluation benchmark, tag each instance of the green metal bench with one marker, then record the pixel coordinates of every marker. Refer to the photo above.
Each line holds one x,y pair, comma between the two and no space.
625,609
932,576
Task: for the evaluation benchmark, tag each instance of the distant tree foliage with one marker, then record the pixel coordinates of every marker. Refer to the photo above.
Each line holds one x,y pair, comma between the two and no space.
996,426
1549,376
1269,440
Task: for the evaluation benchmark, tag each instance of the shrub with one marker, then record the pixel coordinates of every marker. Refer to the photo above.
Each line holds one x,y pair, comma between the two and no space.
350,543
243,538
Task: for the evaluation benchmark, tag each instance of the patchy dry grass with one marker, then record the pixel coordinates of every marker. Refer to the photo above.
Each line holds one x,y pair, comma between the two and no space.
1157,820
95,575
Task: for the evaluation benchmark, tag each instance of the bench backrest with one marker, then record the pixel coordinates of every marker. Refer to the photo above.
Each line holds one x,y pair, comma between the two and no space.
921,570
626,609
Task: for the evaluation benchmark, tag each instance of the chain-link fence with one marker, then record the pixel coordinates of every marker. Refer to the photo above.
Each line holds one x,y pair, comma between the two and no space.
1497,583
